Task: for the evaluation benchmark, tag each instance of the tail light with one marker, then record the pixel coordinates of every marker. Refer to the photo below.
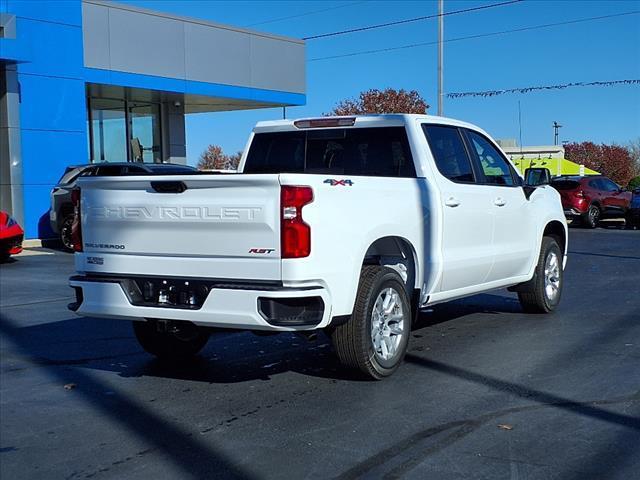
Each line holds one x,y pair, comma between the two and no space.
295,234
76,227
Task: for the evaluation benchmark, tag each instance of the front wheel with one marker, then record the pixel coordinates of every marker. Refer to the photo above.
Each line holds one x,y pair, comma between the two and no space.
375,338
170,340
542,293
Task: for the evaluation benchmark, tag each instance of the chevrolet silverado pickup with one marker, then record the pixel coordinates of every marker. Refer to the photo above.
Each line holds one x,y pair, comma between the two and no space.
345,224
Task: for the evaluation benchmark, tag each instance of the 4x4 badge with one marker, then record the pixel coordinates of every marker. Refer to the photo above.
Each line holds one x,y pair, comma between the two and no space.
333,182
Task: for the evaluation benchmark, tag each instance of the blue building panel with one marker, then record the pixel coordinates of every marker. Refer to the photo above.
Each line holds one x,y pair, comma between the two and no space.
48,53
45,156
14,51
52,103
190,87
56,49
66,12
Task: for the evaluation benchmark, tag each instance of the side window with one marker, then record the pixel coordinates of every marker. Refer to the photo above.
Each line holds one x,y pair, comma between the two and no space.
449,152
494,166
608,185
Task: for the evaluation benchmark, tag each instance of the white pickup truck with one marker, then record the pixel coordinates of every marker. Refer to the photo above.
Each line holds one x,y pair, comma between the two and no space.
345,224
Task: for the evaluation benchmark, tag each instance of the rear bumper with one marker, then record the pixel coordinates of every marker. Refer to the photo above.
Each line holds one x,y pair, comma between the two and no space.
572,212
238,308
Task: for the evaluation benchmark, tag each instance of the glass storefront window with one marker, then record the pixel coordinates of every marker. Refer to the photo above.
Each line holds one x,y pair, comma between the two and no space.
121,131
108,130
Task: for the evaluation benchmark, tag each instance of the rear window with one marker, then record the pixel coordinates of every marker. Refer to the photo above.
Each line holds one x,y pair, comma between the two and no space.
565,184
376,152
166,169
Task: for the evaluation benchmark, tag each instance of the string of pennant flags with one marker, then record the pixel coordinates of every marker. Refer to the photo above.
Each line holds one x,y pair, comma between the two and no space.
493,93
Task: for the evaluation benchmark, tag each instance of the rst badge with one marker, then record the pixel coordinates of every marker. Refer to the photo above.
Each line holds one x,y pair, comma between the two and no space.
262,251
334,183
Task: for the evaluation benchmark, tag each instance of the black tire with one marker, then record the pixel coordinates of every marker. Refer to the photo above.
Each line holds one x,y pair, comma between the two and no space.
4,257
65,233
179,341
536,296
591,219
354,340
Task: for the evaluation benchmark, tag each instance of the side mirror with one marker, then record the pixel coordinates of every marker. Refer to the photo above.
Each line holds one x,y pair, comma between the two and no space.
534,177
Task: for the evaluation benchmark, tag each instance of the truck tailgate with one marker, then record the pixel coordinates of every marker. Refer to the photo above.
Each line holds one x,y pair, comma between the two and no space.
218,226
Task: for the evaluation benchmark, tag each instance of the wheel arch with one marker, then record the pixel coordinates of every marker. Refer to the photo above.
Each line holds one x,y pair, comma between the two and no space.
397,253
556,230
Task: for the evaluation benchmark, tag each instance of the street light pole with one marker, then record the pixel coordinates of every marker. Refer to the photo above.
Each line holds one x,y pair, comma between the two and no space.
440,57
556,126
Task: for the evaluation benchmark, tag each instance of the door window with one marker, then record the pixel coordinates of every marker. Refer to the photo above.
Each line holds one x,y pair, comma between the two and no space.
145,132
494,166
449,152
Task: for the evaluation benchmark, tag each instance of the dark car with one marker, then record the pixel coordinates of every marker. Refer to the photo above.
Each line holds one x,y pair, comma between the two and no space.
592,198
633,214
61,213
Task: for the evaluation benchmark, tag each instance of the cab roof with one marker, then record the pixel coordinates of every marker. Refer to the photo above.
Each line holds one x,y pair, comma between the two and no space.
369,120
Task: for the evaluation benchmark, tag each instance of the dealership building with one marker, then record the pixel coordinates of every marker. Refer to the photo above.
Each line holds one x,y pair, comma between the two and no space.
93,81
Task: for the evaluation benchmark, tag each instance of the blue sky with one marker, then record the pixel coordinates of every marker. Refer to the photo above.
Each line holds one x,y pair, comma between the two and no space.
600,50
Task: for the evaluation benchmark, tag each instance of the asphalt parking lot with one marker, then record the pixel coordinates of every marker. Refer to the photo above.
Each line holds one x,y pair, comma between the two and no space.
486,391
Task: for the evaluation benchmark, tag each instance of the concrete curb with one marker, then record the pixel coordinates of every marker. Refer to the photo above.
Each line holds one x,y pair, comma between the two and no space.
36,242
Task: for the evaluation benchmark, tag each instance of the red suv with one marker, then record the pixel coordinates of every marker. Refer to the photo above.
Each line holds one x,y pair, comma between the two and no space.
592,198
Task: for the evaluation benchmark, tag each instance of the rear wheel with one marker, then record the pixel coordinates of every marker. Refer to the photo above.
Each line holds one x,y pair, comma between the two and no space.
65,232
375,338
542,293
592,218
170,340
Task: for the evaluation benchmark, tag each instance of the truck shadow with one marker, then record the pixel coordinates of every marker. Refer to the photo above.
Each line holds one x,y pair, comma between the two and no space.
109,345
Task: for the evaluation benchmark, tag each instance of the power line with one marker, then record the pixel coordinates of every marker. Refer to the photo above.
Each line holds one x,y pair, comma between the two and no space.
471,37
313,12
493,93
408,20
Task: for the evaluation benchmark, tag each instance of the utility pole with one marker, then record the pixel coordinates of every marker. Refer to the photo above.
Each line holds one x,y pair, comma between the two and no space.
440,56
556,126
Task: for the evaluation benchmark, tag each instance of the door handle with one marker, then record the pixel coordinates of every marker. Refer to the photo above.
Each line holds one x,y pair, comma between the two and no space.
499,202
452,202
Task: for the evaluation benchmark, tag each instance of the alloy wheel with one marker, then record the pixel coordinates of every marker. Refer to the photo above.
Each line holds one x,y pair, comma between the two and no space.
387,324
552,276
